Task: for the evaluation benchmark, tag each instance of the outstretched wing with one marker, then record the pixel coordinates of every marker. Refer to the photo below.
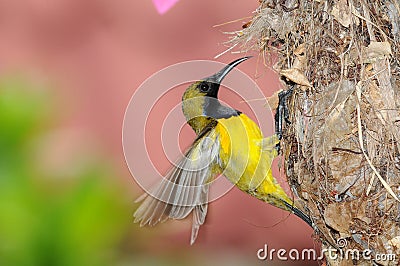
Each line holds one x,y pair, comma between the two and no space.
185,187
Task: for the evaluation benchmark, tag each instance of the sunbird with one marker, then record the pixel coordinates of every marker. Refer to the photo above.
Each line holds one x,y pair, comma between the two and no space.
228,142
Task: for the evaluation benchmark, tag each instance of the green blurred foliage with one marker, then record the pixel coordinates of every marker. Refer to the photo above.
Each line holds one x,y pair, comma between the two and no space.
50,219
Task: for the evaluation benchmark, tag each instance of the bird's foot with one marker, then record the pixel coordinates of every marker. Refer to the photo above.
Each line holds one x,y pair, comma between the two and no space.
282,113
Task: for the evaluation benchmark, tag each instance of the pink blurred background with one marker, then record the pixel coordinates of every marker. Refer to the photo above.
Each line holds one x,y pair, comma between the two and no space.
96,53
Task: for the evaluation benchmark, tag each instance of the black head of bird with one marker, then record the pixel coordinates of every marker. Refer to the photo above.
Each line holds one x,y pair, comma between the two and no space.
200,102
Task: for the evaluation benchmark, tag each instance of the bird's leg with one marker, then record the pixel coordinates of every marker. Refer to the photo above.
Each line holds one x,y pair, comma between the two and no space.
282,113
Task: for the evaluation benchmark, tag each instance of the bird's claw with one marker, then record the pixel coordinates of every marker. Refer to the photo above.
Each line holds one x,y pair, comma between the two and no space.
282,113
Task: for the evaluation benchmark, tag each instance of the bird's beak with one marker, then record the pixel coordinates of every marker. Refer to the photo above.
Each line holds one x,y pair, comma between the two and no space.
219,76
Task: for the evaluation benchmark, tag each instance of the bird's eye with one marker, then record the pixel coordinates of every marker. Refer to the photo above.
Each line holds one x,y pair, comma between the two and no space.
204,87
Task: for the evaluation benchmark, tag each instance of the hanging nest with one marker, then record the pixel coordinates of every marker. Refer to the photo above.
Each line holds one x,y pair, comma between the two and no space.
341,149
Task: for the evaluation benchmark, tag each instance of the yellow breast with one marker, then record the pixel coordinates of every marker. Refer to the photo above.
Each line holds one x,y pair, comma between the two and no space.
243,160
246,159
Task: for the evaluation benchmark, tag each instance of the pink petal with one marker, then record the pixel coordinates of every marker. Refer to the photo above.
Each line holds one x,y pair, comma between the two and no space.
163,6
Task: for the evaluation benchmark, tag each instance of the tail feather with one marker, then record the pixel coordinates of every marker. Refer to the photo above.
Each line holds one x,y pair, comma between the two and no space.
300,214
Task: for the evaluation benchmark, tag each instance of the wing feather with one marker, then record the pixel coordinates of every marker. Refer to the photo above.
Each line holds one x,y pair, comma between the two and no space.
185,187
